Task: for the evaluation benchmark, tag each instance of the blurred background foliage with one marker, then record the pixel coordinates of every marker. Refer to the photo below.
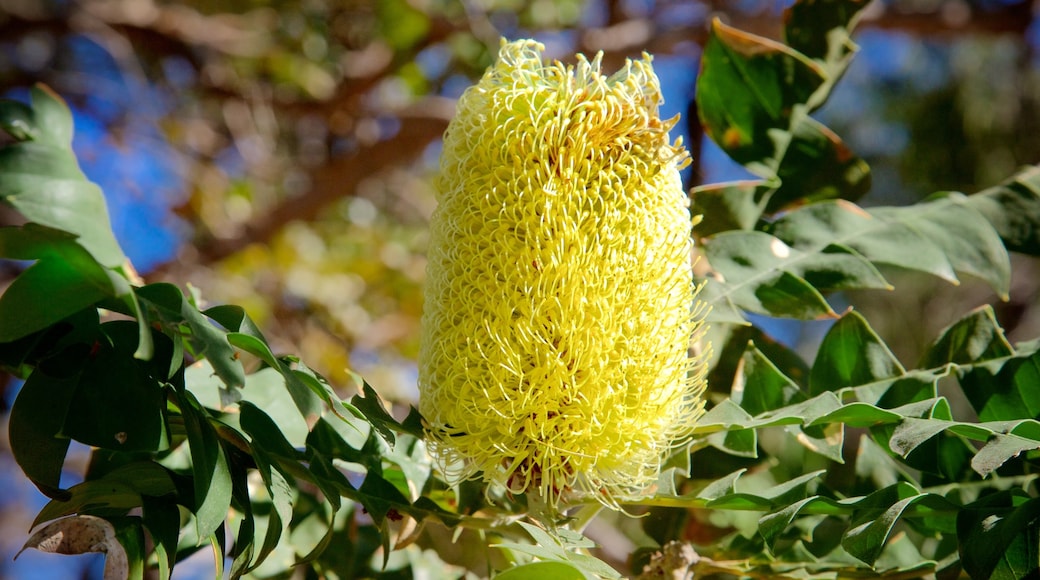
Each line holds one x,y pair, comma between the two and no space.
278,155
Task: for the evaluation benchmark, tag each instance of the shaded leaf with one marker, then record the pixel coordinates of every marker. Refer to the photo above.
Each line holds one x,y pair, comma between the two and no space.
822,31
35,428
817,165
759,386
734,205
1013,208
997,536
212,477
759,273
119,400
171,307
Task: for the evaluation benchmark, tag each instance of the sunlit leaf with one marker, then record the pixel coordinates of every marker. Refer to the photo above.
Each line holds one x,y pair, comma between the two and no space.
851,354
43,181
747,88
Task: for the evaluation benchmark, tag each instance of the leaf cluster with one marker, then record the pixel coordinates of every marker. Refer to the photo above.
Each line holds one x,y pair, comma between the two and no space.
856,464
198,428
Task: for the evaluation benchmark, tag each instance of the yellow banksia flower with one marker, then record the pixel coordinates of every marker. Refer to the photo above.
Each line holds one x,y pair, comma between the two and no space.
559,303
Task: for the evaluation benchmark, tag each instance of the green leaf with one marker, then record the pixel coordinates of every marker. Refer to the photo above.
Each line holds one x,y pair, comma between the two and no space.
1013,208
1005,388
723,416
872,526
817,165
280,491
65,273
734,205
998,536
171,307
963,235
119,400
369,404
821,30
101,497
759,273
542,571
746,91
212,478
556,547
42,179
161,517
947,236
998,450
974,338
35,426
760,386
267,391
851,355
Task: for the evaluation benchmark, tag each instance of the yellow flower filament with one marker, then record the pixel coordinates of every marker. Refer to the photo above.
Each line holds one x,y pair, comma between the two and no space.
559,303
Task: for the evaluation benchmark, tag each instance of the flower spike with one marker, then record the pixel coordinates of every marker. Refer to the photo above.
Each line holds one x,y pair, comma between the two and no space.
560,304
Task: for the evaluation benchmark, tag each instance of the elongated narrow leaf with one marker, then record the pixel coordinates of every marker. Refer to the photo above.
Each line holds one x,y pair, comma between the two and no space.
35,427
940,237
212,478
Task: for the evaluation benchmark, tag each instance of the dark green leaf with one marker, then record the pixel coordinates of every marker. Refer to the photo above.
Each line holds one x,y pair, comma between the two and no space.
1013,208
99,497
212,478
119,401
373,410
35,428
821,30
851,355
1004,389
999,532
817,165
760,386
161,517
66,273
206,339
747,89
